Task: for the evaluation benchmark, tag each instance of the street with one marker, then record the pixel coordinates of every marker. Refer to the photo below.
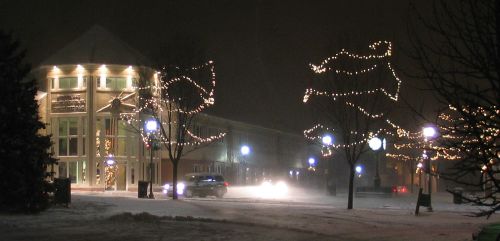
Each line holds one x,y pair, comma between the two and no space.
243,216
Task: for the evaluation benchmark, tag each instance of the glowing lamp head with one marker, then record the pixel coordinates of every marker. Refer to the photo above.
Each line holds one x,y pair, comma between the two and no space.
419,165
245,150
151,125
110,162
429,132
327,140
359,169
311,161
375,143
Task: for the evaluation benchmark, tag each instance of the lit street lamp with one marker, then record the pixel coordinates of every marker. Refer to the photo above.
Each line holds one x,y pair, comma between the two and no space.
245,151
312,161
359,170
419,166
328,140
429,132
377,145
151,128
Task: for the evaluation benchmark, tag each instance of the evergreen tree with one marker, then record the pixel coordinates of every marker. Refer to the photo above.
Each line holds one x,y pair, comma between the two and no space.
24,152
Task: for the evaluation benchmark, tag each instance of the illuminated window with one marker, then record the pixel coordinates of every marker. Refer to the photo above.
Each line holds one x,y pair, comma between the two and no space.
68,83
68,136
114,137
117,83
74,170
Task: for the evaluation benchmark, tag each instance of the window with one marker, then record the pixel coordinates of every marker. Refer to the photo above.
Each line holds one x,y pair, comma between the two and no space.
196,168
116,138
68,136
132,175
116,83
74,170
68,83
63,171
84,134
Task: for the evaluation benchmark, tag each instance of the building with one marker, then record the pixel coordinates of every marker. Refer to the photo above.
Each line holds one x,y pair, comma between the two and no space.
88,83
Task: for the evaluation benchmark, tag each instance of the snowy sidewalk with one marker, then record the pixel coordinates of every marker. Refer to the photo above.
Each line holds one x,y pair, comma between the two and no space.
241,216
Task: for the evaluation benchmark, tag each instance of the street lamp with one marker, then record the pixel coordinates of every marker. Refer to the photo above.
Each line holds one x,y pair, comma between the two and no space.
419,166
327,140
245,151
331,187
429,132
311,161
376,144
110,161
151,127
359,170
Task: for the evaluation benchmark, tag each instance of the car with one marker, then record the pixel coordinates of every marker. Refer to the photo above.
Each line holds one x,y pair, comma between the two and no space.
199,184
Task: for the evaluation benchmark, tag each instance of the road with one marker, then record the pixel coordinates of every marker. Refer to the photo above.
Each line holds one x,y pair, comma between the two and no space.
243,216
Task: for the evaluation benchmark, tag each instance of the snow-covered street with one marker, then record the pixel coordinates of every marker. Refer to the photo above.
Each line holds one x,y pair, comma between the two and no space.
243,216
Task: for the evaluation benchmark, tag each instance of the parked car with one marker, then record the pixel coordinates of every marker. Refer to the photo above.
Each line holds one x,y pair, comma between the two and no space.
199,184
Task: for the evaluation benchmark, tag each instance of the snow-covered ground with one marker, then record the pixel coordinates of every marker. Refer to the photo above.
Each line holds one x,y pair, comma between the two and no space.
243,215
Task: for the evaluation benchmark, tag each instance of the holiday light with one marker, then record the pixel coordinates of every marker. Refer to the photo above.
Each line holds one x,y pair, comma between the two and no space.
380,60
169,104
322,68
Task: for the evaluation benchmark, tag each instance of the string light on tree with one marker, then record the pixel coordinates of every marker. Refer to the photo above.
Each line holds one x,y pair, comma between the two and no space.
379,60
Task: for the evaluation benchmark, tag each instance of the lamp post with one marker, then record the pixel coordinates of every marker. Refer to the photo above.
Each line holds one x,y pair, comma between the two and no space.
312,162
429,132
245,151
151,127
359,170
377,145
419,165
331,188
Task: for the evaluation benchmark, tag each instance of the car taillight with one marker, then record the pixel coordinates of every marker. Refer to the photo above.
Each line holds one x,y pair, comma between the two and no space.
394,189
226,184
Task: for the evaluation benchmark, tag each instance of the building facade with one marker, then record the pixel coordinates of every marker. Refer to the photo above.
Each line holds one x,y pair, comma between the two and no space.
87,84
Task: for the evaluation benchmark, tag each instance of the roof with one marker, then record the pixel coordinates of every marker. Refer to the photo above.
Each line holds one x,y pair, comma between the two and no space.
98,46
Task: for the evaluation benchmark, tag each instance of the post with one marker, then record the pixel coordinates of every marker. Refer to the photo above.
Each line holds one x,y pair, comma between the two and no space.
151,195
429,170
412,165
376,180
420,178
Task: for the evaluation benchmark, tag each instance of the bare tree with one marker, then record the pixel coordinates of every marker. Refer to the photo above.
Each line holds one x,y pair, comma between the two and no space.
181,99
458,55
352,94
174,102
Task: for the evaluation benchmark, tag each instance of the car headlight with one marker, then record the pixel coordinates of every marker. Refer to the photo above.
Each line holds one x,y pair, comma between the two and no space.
165,188
180,188
281,187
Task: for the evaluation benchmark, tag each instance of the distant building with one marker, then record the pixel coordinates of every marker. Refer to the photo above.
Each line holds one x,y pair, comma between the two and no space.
96,150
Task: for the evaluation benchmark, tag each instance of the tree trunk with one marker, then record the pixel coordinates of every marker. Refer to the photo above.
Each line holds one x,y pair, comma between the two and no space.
174,177
351,187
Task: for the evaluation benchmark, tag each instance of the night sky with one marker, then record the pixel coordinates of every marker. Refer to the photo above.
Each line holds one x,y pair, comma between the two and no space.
261,48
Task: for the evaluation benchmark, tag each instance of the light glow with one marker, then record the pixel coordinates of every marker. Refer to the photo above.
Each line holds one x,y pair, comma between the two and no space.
312,161
429,132
270,190
245,150
151,125
375,143
327,140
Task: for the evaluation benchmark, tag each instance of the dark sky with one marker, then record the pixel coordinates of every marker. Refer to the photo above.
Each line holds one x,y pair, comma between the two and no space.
261,48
